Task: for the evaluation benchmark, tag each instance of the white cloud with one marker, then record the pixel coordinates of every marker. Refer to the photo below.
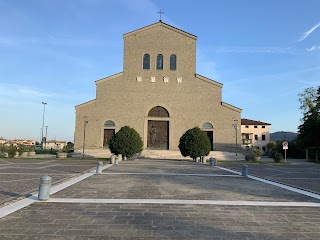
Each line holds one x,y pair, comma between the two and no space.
307,33
267,50
18,91
313,48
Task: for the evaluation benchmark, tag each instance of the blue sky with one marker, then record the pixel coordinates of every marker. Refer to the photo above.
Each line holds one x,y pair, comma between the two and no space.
264,52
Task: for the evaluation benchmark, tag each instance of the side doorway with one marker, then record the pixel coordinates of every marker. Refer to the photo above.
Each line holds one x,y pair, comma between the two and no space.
108,134
210,136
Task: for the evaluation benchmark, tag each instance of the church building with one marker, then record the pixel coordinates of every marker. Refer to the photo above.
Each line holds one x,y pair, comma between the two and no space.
159,94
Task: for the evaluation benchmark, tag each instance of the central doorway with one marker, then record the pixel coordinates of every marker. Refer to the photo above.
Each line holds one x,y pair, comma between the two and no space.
158,134
157,131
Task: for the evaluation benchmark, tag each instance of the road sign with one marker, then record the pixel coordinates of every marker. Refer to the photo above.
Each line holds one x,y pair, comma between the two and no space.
285,145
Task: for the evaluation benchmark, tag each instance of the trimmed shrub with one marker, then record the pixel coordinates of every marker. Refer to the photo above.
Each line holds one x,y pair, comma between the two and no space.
126,141
194,143
277,157
253,154
12,150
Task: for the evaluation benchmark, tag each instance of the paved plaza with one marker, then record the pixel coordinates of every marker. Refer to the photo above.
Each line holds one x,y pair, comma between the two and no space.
20,177
162,199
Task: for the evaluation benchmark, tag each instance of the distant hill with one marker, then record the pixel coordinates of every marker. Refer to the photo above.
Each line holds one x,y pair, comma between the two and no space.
278,136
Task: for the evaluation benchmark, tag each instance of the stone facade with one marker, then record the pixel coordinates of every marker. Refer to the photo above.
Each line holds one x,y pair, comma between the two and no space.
126,98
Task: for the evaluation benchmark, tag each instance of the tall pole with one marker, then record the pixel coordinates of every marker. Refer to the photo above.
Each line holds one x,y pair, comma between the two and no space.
235,125
44,110
85,122
45,141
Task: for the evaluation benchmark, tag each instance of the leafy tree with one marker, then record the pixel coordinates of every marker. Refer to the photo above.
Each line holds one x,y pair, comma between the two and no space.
309,130
194,143
126,141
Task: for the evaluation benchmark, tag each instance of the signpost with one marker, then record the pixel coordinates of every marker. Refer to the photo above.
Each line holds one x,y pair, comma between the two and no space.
285,146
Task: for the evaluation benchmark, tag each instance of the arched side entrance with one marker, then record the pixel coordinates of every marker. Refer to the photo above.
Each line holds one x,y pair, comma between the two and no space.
109,129
208,128
158,128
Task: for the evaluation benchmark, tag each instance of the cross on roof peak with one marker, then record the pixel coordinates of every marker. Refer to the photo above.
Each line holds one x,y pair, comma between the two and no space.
160,12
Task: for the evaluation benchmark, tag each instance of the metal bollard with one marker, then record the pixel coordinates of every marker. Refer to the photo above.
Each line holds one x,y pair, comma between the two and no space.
99,167
244,170
212,162
116,161
125,158
44,188
120,157
113,159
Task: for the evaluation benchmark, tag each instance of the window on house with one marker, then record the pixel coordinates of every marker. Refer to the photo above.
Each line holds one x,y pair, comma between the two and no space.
263,137
247,126
146,61
159,62
173,62
255,137
263,126
264,149
255,126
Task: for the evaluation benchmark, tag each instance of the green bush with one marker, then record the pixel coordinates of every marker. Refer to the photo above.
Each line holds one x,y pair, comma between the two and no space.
253,154
277,157
194,143
12,150
126,141
21,149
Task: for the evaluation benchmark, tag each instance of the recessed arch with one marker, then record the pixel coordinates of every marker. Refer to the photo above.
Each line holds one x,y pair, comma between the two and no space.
109,123
207,125
173,62
158,111
159,62
146,61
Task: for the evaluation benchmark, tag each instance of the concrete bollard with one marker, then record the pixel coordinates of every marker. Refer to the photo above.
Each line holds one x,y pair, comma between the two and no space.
44,188
116,161
120,157
113,159
212,162
204,160
125,158
99,167
244,170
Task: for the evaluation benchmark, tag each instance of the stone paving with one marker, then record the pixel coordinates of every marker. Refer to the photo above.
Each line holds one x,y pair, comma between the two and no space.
165,180
302,176
20,177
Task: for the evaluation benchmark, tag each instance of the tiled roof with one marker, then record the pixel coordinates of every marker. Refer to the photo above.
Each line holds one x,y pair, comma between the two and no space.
245,121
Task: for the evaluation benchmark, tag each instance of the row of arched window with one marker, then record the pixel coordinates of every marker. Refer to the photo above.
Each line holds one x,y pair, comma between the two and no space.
159,63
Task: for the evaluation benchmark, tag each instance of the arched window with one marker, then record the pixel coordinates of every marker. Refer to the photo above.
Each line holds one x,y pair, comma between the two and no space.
207,125
146,61
158,112
173,62
109,124
159,62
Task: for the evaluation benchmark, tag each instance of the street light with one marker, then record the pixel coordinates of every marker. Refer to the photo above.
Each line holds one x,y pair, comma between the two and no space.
85,121
235,125
44,110
45,141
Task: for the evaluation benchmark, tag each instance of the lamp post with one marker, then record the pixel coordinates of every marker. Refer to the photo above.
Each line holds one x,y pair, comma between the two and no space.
44,110
85,122
45,141
235,125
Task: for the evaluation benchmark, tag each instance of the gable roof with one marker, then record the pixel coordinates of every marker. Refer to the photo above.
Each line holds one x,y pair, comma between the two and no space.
245,121
160,23
208,80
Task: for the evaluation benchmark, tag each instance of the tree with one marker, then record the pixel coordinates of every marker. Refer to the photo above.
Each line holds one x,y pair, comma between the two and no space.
126,141
309,130
194,143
